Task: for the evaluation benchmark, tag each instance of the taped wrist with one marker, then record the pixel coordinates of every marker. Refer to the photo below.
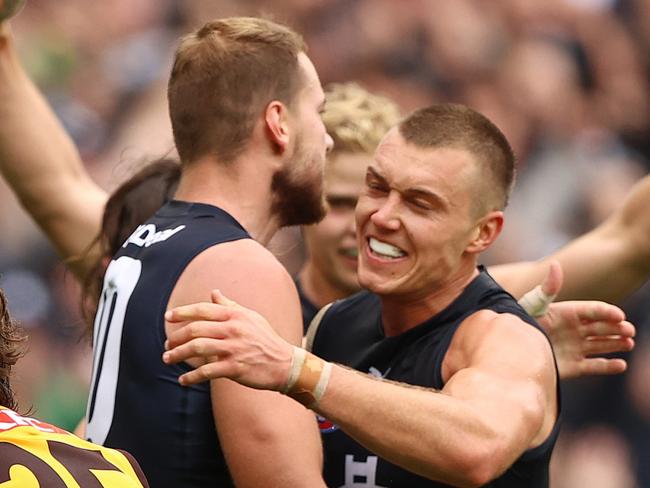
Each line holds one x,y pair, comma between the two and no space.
536,301
308,378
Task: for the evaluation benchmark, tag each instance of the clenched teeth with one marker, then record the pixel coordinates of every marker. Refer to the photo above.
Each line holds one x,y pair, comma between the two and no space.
384,249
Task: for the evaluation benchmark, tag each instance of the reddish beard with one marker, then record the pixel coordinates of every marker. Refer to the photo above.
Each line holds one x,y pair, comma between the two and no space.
297,201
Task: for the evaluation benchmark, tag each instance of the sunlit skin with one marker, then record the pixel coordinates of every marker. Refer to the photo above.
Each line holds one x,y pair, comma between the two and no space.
330,273
429,215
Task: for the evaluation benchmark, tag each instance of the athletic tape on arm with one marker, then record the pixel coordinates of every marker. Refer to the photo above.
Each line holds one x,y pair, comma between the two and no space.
536,301
308,378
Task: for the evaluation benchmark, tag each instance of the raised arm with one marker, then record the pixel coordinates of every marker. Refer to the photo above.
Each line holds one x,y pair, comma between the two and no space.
277,433
607,263
41,164
498,401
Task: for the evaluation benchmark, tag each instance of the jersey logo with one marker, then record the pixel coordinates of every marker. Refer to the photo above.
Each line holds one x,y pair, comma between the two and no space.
326,426
146,235
10,419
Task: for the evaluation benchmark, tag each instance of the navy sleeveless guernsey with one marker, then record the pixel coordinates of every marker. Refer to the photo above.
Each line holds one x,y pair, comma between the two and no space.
351,334
309,310
135,401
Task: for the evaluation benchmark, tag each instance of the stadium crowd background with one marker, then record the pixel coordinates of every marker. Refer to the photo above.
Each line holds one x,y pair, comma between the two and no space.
568,81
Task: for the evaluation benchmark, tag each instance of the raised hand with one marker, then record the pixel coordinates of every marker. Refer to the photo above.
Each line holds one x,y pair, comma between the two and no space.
580,330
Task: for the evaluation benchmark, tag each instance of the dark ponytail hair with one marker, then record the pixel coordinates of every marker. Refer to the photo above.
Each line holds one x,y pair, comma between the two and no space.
130,205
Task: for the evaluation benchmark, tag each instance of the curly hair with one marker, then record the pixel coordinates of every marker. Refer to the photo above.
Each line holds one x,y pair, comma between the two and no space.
11,339
356,119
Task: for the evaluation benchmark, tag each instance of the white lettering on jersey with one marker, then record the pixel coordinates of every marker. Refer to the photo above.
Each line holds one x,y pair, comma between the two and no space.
146,235
360,474
15,420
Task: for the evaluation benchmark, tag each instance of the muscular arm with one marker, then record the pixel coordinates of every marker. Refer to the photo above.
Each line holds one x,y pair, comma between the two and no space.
499,398
489,412
42,165
267,438
607,263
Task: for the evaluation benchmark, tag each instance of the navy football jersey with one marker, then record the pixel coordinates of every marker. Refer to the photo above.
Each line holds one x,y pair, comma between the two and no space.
309,310
351,333
135,402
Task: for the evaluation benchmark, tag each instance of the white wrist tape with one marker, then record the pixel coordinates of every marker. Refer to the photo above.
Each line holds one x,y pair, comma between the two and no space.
536,301
308,378
297,362
324,380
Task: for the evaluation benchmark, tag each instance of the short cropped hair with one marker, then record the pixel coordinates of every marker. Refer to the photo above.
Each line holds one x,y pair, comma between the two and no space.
11,338
460,127
224,75
356,119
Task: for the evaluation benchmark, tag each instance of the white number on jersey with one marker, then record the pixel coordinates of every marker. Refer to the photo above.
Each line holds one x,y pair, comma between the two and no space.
119,282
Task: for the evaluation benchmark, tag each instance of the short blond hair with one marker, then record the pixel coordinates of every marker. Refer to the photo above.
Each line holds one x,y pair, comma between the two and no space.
356,119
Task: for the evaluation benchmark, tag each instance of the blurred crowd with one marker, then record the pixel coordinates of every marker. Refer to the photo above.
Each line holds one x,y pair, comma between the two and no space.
568,81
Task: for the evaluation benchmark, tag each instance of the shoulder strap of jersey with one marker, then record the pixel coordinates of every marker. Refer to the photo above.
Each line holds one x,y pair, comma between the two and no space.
314,325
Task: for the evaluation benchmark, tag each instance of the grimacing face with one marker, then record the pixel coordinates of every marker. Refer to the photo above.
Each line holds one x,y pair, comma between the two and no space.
332,243
298,186
415,219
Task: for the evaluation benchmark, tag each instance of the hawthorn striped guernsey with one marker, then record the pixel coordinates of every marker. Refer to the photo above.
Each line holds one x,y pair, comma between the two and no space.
34,453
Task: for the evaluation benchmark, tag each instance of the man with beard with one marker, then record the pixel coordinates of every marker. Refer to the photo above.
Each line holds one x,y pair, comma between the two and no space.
463,388
70,214
245,103
356,120
43,167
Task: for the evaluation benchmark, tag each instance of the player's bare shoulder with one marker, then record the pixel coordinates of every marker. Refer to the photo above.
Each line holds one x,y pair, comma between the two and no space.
249,274
487,336
244,259
234,267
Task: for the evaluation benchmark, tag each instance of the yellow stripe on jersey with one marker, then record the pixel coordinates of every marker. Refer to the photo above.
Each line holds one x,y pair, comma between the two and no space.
20,477
34,453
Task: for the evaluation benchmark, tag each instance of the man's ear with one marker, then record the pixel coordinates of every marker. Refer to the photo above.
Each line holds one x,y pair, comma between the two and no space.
486,231
276,118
